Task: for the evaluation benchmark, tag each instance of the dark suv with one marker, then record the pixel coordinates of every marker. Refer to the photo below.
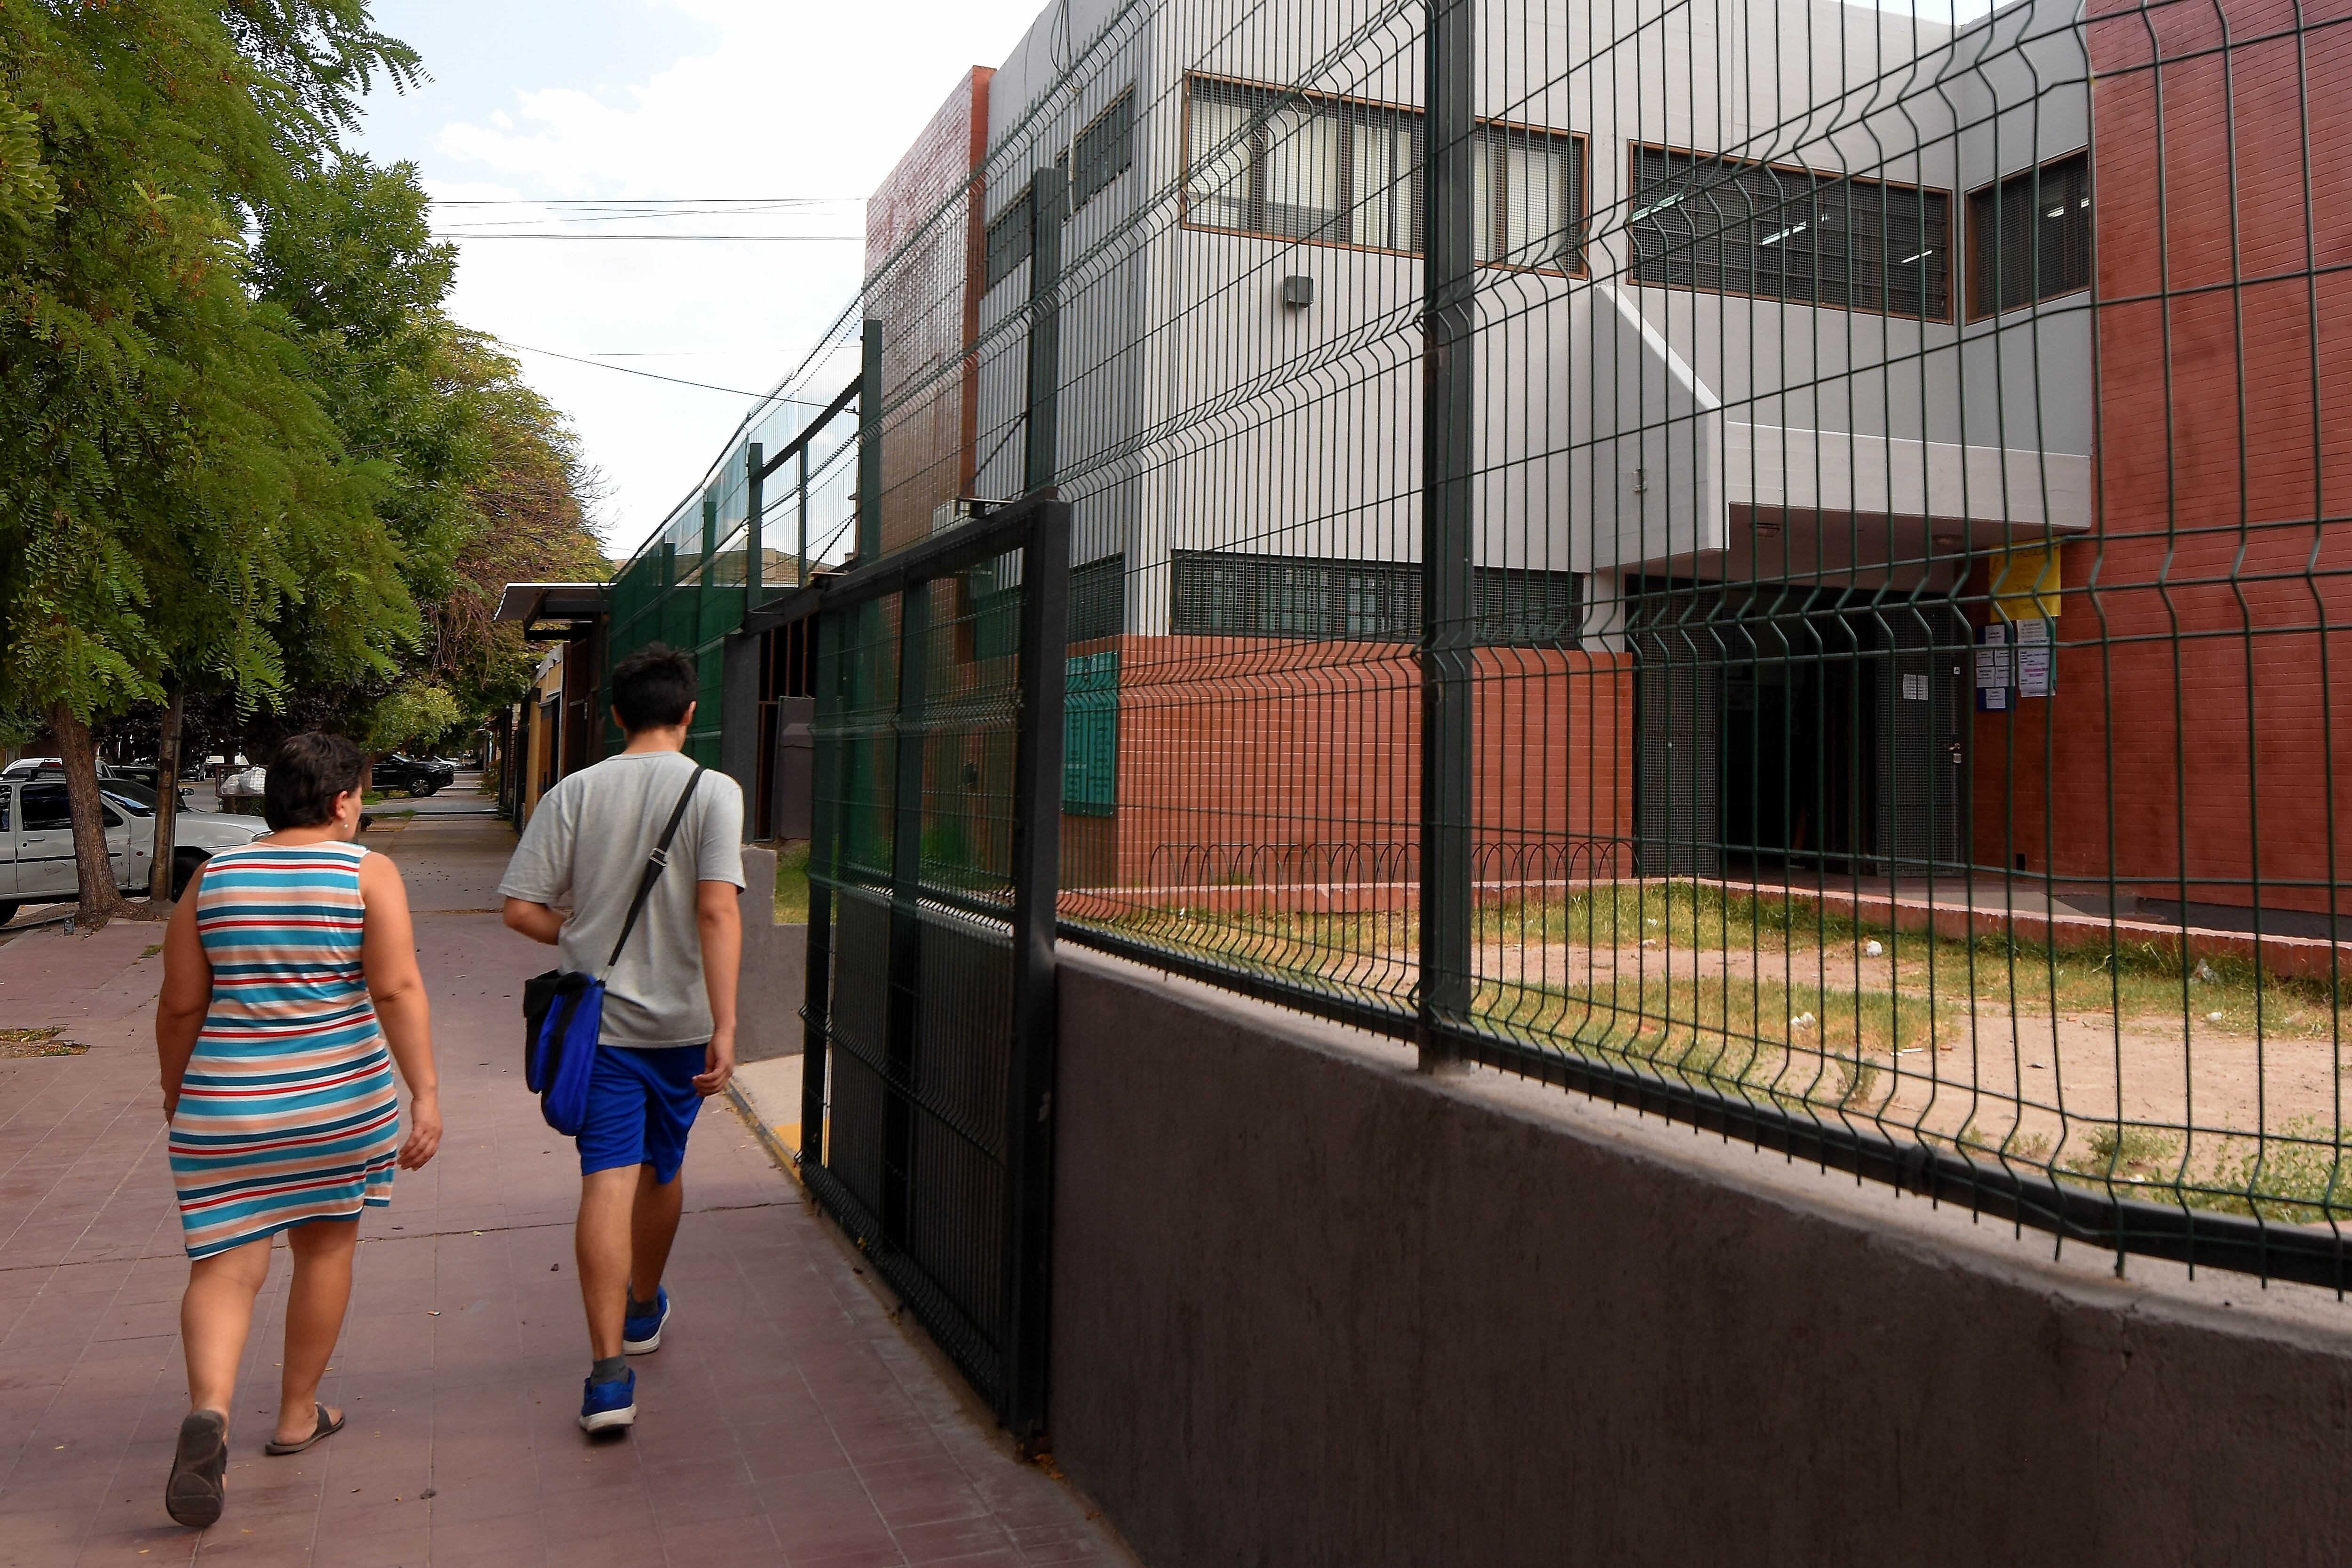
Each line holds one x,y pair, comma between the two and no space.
417,775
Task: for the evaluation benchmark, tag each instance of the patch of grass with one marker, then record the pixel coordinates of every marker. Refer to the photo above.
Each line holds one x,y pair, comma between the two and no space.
2135,981
2124,1150
147,953
37,1043
792,883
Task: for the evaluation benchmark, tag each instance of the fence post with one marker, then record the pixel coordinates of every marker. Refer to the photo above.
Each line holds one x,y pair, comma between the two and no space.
869,445
754,499
1448,598
800,579
904,1021
1047,193
1037,880
826,833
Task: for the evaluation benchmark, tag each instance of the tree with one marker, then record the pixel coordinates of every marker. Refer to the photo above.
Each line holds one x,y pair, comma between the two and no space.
485,484
175,488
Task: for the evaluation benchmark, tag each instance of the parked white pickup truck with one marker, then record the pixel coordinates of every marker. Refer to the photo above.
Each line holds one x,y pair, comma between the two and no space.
37,852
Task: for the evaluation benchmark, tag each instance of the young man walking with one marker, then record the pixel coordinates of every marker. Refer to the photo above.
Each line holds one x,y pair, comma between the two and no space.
667,1041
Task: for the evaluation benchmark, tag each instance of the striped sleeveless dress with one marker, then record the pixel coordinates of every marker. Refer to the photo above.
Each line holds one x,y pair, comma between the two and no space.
287,1113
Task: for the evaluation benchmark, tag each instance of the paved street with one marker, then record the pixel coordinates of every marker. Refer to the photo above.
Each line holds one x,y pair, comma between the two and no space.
786,1418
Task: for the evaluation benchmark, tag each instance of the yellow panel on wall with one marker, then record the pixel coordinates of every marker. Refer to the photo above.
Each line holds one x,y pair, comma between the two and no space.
2025,581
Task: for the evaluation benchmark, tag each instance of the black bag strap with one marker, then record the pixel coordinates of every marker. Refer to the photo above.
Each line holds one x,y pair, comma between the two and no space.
654,864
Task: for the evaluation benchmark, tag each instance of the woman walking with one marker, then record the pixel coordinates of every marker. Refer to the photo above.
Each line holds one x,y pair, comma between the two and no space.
289,969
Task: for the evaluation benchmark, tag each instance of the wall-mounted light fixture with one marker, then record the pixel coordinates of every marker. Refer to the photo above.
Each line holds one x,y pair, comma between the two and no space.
1297,290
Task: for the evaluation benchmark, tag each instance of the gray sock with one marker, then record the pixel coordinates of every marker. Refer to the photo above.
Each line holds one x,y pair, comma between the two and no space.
609,1369
644,1309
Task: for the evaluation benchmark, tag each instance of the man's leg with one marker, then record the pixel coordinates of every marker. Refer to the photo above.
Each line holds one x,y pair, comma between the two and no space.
601,1242
671,1105
652,1227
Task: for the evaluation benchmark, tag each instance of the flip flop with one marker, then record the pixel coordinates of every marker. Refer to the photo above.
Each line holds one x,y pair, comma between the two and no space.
193,1495
326,1429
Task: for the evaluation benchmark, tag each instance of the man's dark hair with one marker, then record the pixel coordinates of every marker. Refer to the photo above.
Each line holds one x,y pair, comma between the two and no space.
303,779
653,687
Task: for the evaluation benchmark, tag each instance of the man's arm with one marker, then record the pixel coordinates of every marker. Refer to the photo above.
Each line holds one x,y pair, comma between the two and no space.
719,921
536,921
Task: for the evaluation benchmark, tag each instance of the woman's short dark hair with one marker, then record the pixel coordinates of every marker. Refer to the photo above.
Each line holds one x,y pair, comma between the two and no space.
653,687
299,786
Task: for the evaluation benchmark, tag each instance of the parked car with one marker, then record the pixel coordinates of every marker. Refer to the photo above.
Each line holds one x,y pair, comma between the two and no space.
417,775
37,852
127,781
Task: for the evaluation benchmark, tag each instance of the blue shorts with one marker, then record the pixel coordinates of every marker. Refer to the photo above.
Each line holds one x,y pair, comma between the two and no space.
641,1106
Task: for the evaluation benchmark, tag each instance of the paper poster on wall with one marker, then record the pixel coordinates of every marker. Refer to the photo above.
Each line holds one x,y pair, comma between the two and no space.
1994,676
2037,658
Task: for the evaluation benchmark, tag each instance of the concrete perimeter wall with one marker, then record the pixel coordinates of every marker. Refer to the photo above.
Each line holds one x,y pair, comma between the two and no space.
1313,1307
774,979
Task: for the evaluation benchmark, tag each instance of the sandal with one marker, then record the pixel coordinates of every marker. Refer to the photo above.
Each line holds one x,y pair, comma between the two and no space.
326,1429
193,1495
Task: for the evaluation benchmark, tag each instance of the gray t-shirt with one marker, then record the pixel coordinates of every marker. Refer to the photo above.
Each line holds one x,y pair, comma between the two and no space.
587,844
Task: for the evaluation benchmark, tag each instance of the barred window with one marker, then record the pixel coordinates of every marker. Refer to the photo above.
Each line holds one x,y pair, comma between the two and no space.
1010,238
1219,593
1103,151
1338,170
1098,599
1730,225
2030,237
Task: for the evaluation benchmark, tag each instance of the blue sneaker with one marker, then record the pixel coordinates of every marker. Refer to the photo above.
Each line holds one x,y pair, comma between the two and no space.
605,1406
639,1335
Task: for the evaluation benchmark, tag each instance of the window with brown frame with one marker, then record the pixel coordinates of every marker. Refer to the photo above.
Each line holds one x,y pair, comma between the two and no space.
1732,226
2030,237
1339,170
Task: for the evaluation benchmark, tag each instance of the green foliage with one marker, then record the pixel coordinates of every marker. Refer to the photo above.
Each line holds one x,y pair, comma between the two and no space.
416,712
175,488
257,457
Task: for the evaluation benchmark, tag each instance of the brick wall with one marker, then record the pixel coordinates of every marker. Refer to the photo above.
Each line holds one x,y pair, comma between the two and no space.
928,301
1271,764
2206,634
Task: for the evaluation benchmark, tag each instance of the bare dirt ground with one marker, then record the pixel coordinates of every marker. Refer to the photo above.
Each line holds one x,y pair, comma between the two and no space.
1960,1057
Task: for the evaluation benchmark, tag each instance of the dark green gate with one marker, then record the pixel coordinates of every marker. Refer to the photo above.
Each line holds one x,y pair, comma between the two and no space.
927,1127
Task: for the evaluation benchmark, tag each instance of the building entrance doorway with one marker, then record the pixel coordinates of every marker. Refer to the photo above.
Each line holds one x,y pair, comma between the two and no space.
1791,730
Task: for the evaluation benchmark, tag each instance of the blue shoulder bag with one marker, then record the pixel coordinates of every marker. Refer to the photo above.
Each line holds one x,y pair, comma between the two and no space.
563,1010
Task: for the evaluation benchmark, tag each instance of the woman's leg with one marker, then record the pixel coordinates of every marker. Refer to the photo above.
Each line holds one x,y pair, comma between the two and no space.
315,1304
216,1314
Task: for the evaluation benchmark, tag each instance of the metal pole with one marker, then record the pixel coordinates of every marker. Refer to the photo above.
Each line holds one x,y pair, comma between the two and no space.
1037,879
1047,193
1448,598
754,488
869,445
826,829
902,1045
801,580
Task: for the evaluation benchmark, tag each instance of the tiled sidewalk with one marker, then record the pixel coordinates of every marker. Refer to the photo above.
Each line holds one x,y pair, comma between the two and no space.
785,1419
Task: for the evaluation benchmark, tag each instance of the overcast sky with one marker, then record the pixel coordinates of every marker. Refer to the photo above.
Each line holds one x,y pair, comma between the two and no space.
534,100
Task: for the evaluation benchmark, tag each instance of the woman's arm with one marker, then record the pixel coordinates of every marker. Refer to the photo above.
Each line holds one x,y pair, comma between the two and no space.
388,955
187,993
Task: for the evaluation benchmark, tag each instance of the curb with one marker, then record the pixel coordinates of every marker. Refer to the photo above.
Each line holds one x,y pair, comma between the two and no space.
787,1158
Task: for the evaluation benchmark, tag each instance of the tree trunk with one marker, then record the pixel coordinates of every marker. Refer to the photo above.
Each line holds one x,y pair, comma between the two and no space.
167,809
100,900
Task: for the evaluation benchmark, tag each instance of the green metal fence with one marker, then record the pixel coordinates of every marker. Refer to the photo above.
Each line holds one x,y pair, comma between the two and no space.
1778,562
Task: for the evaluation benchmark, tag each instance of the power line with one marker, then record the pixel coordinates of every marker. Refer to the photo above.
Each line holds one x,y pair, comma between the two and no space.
728,239
642,201
649,376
